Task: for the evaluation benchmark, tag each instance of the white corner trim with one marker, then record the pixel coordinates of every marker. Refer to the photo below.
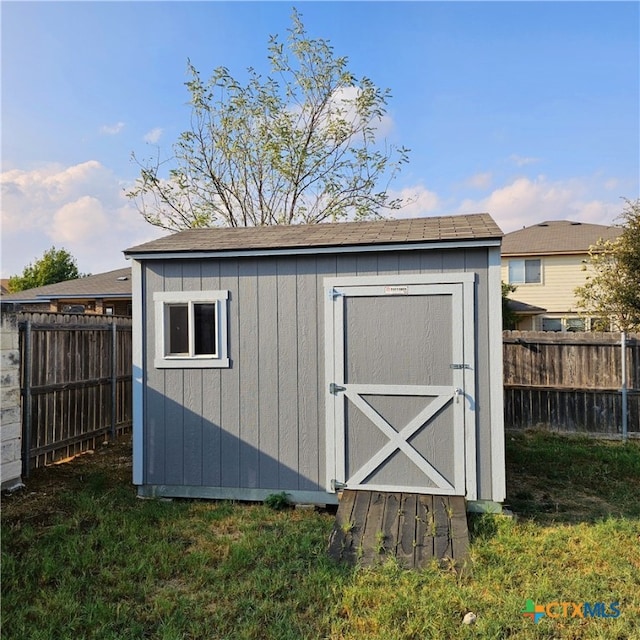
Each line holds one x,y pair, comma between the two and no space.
471,387
329,370
498,472
138,371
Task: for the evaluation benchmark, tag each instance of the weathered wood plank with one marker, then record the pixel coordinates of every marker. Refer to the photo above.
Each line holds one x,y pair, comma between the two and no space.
424,530
373,537
342,526
390,522
357,525
459,529
442,542
416,529
407,530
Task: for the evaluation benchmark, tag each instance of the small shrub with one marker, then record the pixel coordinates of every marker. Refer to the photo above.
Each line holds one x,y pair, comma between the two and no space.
278,501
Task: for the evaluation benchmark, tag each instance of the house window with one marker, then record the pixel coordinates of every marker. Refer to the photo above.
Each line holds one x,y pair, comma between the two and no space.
525,271
576,324
191,329
552,324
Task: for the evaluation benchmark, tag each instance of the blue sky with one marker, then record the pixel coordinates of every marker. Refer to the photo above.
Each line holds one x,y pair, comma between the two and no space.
527,110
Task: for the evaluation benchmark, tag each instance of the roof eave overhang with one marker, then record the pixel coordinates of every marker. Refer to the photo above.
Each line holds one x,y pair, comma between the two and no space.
514,254
24,300
87,296
301,251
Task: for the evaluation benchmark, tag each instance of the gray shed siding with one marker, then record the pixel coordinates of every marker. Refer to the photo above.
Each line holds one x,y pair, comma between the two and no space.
261,423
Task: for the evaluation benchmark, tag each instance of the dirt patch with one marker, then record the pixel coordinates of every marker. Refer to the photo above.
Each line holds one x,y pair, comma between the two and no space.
534,496
39,500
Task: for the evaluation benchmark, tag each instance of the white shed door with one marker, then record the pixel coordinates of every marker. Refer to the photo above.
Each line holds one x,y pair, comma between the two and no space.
401,389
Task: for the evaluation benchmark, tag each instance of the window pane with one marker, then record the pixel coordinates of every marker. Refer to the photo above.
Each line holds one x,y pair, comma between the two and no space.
532,271
205,329
551,324
516,271
575,324
178,329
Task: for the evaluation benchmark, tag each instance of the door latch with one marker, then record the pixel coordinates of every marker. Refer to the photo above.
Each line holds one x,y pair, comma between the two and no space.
336,485
335,388
457,393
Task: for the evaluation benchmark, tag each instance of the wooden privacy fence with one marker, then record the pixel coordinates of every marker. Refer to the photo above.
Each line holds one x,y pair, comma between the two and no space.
76,384
571,381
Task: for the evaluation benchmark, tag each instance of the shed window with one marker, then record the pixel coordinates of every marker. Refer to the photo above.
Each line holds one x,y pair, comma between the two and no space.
178,326
191,329
525,271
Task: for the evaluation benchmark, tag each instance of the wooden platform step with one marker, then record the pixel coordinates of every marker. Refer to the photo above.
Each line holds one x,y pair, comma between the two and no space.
373,525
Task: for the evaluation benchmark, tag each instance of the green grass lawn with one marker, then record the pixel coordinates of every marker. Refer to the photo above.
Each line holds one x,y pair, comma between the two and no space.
82,557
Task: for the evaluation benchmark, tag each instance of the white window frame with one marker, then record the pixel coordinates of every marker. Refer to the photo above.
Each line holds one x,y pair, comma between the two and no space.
524,269
162,301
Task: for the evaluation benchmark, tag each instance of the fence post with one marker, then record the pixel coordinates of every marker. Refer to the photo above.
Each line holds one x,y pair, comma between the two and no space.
623,390
27,401
114,378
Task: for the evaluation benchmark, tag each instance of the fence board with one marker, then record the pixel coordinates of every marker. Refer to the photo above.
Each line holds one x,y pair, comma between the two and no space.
570,381
76,389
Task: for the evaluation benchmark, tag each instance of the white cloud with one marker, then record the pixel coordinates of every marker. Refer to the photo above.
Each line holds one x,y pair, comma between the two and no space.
81,207
480,180
112,129
83,220
526,201
341,105
419,201
521,161
153,136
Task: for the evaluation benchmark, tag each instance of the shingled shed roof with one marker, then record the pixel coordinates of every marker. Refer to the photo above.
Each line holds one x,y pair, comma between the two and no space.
115,284
556,237
339,235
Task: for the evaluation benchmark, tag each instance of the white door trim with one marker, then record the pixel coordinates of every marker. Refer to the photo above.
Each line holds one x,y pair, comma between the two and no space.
461,285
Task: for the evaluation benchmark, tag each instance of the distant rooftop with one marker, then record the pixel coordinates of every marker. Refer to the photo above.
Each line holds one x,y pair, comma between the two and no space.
115,284
341,234
556,236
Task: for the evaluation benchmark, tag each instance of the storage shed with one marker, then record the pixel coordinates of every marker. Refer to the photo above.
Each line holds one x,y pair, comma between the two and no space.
306,359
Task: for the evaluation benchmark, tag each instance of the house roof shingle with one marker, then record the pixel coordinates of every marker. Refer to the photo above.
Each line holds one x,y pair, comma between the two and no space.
115,283
556,237
341,234
522,308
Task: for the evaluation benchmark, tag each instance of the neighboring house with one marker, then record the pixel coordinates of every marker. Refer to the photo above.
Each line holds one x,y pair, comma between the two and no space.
545,262
525,314
103,293
310,358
